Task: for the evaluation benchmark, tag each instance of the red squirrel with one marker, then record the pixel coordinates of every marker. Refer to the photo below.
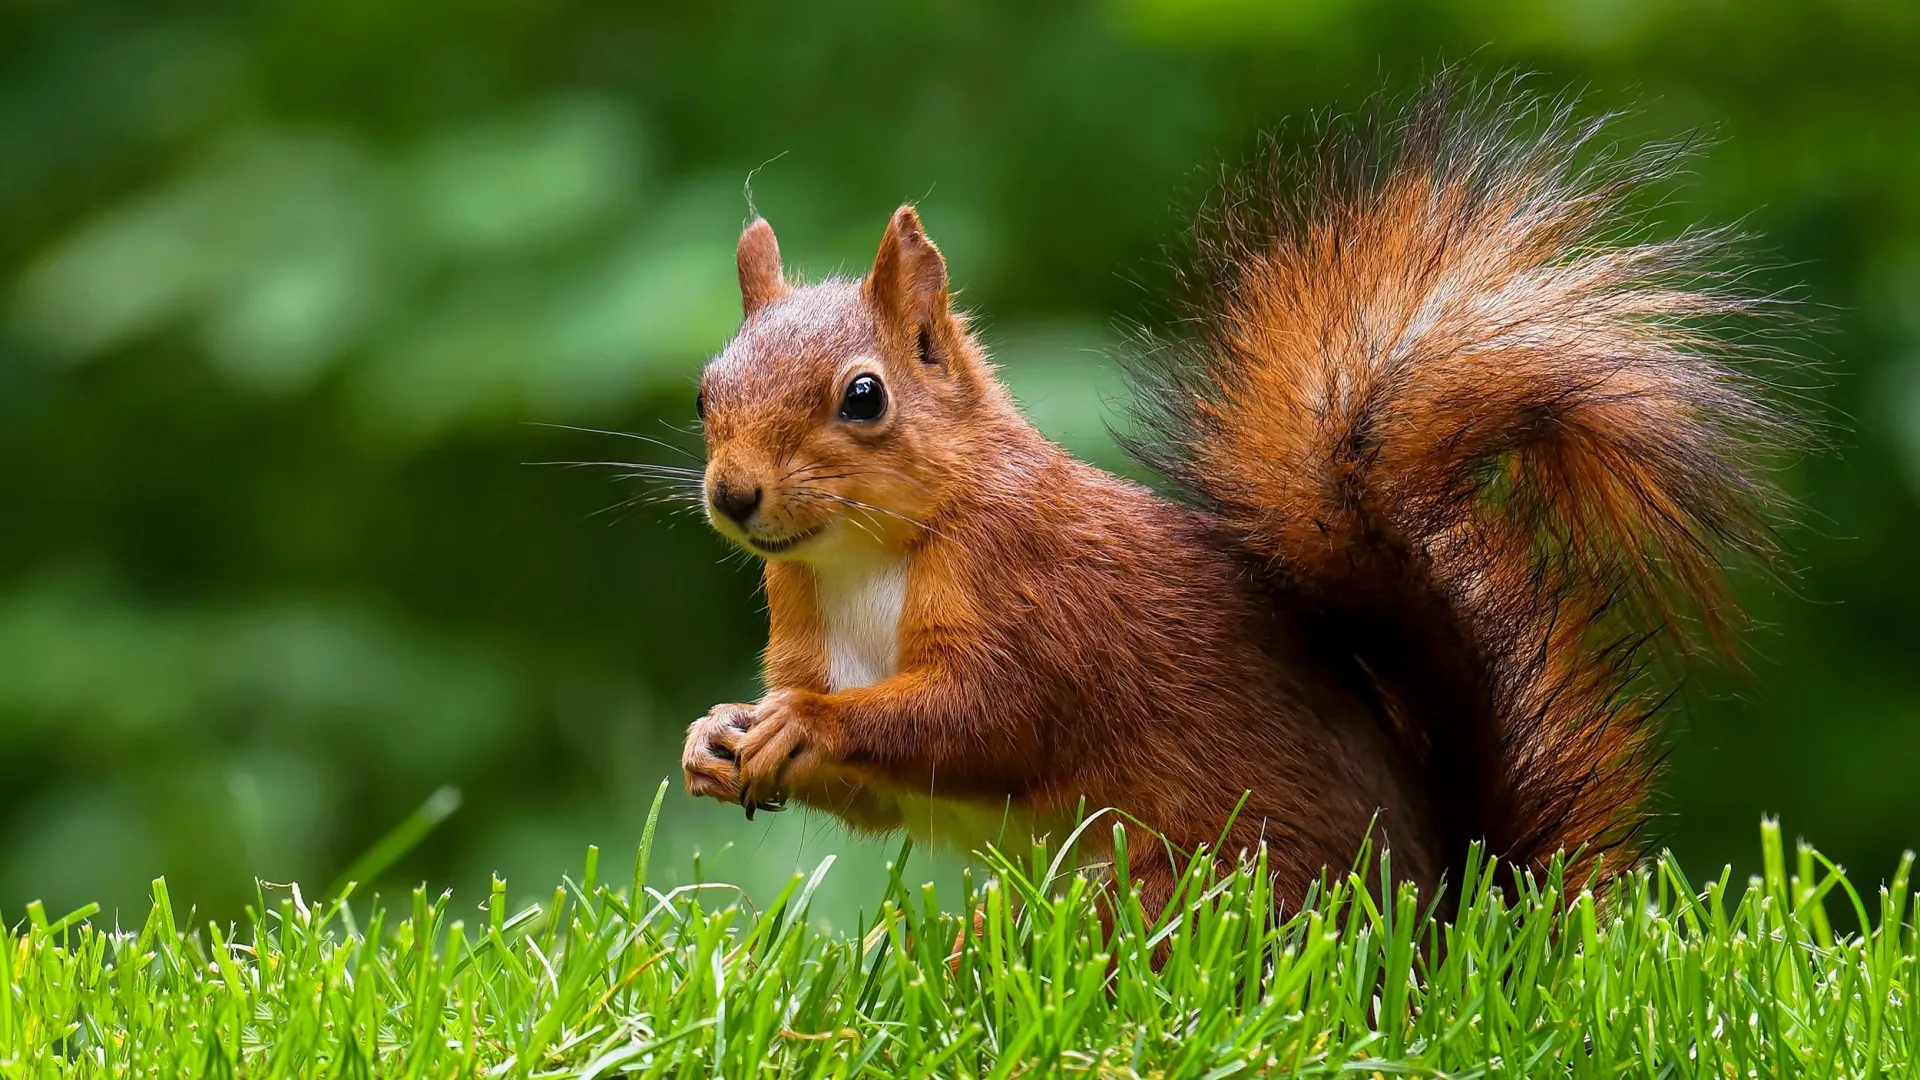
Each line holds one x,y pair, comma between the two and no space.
1451,453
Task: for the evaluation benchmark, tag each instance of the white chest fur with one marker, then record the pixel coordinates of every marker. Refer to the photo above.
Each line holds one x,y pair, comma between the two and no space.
860,609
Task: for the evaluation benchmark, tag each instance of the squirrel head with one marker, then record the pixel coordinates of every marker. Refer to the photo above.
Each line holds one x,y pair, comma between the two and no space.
841,412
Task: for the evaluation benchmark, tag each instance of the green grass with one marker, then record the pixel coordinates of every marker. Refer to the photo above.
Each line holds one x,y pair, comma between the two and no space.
1658,977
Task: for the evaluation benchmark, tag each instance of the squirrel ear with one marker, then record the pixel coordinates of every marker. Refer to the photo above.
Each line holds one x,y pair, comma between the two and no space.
908,286
758,259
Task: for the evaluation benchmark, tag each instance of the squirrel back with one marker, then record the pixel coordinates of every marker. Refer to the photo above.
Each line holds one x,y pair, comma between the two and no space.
1448,398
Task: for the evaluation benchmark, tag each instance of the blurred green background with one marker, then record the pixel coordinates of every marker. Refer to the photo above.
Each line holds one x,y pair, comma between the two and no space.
286,288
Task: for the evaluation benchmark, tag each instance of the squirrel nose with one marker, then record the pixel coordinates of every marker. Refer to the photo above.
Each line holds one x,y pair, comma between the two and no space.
736,503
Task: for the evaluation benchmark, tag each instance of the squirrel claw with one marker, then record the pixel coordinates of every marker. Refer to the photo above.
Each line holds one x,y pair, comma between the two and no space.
772,804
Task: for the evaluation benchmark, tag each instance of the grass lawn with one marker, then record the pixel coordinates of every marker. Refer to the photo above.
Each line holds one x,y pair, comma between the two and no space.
1658,977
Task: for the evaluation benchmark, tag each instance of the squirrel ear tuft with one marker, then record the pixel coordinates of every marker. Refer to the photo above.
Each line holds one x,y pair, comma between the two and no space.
758,259
908,285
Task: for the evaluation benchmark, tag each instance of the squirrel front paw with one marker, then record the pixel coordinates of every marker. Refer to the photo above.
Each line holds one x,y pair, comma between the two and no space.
711,756
782,750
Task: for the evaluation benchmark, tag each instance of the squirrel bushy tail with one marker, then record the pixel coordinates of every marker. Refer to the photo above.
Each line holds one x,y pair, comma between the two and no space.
1439,387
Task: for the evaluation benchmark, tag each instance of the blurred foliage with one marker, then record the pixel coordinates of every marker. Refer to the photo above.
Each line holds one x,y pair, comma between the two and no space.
288,290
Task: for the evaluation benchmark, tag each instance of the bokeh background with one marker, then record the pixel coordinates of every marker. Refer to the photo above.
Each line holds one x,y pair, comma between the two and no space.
288,287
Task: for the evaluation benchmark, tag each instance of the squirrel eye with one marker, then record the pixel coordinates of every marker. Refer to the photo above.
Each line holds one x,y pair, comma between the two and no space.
865,400
700,404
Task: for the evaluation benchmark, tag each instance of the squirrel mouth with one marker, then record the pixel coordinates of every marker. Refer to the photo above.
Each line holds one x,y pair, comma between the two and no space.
785,543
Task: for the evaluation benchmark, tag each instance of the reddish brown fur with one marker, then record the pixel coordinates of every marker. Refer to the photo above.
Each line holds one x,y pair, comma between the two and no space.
1450,454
